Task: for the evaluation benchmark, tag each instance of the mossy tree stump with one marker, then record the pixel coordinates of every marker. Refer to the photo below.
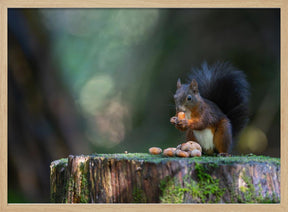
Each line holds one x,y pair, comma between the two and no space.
143,178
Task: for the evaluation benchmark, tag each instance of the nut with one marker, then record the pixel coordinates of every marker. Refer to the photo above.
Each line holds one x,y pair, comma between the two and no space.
195,153
179,146
180,153
170,152
186,146
190,145
181,115
155,150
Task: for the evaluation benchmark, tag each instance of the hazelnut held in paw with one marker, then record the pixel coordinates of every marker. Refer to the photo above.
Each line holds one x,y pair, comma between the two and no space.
181,115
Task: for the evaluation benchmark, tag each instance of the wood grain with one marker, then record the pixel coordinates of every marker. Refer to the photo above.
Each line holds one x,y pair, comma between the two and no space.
144,178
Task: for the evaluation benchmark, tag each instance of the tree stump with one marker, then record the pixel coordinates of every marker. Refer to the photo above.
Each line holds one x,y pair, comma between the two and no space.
144,178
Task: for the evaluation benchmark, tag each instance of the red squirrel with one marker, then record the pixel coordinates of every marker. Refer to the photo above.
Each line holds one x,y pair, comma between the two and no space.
215,103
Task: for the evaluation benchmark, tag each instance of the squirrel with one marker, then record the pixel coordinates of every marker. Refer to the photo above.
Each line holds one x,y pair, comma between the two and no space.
215,103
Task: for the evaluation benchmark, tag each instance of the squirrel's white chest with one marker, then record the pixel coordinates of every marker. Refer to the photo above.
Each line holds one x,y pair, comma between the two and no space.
204,138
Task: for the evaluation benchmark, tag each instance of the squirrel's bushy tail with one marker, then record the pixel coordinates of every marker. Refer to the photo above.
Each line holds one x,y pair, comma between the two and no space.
228,88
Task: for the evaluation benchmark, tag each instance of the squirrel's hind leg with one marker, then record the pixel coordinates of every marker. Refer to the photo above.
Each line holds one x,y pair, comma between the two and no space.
223,136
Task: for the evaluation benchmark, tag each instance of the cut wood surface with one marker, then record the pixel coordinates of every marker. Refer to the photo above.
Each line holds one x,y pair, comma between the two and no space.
144,178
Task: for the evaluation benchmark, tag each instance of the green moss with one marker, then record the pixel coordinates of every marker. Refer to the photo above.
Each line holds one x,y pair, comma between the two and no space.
204,189
82,167
138,195
84,195
249,195
69,188
208,187
84,191
63,160
171,192
249,191
60,162
205,159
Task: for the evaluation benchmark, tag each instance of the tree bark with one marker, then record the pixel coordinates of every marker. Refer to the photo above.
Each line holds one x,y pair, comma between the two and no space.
143,178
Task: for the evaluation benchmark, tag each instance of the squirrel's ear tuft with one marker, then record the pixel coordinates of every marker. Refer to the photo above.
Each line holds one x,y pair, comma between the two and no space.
178,83
194,86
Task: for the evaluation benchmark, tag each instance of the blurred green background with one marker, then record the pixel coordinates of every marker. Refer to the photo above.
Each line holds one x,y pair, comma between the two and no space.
82,81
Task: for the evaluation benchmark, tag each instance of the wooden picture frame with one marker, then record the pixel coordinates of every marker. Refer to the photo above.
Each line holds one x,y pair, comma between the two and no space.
5,4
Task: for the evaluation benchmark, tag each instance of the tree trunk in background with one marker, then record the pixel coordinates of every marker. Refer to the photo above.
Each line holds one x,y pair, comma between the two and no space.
141,178
43,123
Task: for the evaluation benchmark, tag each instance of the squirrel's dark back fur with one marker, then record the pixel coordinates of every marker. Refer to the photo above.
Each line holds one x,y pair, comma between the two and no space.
228,88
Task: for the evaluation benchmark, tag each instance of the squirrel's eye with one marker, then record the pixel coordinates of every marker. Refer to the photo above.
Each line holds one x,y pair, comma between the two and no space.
189,98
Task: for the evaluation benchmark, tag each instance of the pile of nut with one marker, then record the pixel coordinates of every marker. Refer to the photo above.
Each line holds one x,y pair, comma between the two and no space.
188,149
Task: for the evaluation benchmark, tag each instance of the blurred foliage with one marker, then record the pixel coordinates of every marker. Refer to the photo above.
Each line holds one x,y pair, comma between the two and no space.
102,80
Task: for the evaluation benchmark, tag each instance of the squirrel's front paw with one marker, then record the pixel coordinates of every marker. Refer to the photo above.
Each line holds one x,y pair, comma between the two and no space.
174,120
182,124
